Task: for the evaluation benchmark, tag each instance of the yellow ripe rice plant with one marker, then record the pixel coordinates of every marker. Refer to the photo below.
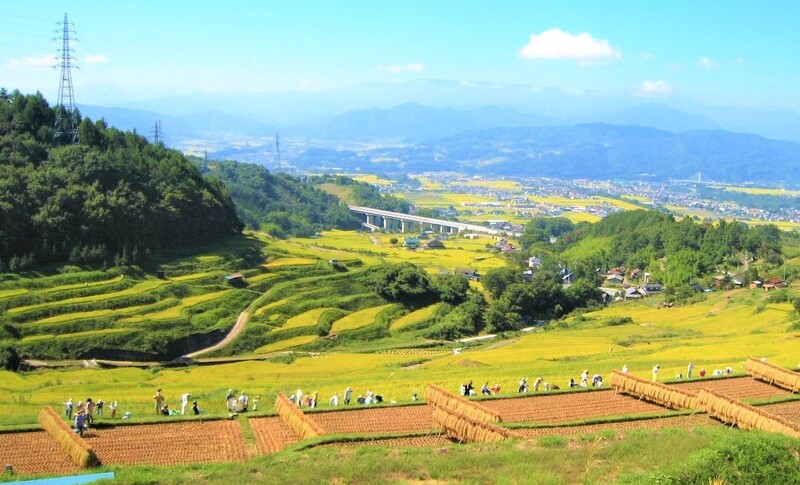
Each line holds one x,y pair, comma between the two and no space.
743,415
465,429
774,374
76,447
305,319
358,319
286,344
414,317
296,419
656,392
437,396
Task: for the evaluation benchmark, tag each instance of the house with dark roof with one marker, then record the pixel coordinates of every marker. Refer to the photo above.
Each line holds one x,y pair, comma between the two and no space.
468,273
433,244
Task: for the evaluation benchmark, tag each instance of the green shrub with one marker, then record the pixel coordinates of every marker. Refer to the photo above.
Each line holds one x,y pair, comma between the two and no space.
616,321
741,458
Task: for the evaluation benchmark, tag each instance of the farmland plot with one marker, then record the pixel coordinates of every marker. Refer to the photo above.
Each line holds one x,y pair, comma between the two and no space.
34,453
399,419
169,443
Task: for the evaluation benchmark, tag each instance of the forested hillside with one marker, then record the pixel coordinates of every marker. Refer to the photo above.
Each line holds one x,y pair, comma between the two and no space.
673,251
112,195
363,194
279,204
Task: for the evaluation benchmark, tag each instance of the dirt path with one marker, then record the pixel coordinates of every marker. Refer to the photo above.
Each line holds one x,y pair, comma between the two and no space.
240,325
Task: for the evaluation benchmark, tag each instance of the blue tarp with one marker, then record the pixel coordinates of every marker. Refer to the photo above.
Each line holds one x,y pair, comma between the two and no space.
71,480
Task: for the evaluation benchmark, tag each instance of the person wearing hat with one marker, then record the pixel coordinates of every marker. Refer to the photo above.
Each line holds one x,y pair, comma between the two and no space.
159,399
80,421
185,402
229,399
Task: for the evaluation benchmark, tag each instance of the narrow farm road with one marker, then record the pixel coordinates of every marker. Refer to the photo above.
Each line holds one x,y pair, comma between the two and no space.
240,325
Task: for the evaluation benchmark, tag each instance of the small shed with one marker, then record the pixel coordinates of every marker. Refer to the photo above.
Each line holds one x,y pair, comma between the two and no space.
234,278
469,273
161,274
434,244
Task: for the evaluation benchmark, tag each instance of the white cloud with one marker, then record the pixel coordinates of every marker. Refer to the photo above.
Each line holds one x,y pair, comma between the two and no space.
708,63
646,55
398,68
95,59
739,60
653,88
42,61
557,44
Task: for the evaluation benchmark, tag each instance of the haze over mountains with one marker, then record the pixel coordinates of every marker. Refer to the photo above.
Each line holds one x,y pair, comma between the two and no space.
574,136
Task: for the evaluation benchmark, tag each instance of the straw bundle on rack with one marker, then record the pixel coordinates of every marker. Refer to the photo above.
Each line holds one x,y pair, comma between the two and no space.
465,429
301,424
436,396
774,374
743,415
76,447
668,396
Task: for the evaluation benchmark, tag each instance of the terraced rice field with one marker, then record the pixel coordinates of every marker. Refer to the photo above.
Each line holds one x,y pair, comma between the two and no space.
786,410
686,422
371,420
137,289
358,319
736,387
34,452
559,408
66,317
290,262
307,319
433,439
175,311
286,344
172,443
169,443
272,434
414,317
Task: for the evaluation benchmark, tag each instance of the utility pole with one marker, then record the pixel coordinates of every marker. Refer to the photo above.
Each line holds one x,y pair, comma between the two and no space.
66,113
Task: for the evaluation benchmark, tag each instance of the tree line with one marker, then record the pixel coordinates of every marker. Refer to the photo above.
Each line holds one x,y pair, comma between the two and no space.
111,194
277,203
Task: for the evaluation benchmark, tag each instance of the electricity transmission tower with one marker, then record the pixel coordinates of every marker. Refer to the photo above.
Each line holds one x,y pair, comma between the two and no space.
158,135
66,114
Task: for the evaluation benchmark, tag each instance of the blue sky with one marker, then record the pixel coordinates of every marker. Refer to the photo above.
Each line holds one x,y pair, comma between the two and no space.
718,52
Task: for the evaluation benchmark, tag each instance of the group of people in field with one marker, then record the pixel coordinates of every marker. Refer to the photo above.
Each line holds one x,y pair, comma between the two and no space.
84,412
162,407
310,400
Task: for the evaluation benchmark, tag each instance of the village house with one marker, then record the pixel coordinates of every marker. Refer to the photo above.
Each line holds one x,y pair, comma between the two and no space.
433,244
653,287
469,273
411,242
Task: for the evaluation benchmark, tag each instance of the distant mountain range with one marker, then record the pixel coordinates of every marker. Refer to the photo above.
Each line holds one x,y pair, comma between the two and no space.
599,139
594,151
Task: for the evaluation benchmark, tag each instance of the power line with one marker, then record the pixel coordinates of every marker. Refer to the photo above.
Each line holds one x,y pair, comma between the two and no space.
66,113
